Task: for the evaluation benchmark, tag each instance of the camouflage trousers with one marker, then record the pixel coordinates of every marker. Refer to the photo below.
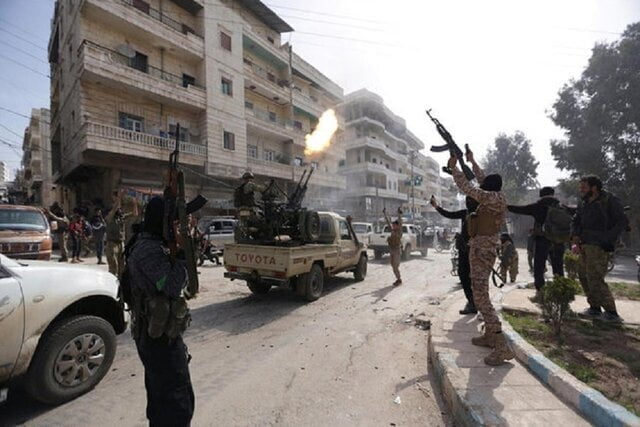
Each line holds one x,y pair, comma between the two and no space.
115,258
592,267
395,261
511,268
482,257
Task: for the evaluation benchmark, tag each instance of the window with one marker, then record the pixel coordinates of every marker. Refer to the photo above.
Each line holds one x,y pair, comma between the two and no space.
225,41
269,155
341,163
227,87
297,161
188,80
367,203
229,140
272,116
252,151
184,133
314,165
248,105
344,231
297,124
131,122
271,40
142,6
139,62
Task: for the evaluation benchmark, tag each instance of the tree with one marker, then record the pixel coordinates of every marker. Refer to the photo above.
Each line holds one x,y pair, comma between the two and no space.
511,157
600,113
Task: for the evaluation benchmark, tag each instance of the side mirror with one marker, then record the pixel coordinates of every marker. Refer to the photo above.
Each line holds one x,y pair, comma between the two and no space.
54,225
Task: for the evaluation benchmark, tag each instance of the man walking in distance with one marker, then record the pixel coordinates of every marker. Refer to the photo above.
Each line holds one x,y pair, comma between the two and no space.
596,227
462,245
395,244
159,317
55,213
508,258
115,232
552,224
484,227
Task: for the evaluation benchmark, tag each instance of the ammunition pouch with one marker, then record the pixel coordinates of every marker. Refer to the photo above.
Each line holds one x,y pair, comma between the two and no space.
481,223
164,316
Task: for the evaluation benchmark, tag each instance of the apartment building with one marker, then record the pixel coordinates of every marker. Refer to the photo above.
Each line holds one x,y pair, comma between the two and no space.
36,160
4,172
125,73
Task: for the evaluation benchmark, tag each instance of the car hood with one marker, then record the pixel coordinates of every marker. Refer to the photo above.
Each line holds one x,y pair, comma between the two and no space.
21,235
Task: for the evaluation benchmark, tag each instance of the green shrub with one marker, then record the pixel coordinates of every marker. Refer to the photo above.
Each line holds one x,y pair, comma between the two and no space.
558,294
571,264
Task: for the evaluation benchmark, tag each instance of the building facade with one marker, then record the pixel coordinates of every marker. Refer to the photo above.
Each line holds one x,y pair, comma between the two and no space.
36,161
125,73
4,172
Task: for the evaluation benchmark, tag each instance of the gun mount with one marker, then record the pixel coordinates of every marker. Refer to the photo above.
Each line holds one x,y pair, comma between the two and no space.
273,217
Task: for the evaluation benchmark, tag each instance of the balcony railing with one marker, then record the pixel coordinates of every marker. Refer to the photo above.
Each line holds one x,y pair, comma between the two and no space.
266,75
159,16
268,117
143,139
109,55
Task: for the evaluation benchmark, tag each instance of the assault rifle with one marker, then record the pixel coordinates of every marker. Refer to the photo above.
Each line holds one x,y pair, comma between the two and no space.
450,146
175,207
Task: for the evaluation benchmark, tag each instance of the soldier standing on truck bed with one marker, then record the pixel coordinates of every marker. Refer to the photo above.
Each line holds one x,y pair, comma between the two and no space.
395,244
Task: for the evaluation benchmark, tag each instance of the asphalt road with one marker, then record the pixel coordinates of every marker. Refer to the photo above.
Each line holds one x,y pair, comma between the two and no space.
353,357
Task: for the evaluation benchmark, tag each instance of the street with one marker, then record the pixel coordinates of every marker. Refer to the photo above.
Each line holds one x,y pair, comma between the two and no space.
342,360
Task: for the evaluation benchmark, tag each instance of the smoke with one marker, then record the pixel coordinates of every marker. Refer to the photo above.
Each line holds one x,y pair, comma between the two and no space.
320,139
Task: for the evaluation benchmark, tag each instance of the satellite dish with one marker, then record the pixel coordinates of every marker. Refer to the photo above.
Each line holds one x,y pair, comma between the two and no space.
126,50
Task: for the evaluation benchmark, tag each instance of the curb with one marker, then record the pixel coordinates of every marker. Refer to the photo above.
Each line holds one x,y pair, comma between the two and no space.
589,403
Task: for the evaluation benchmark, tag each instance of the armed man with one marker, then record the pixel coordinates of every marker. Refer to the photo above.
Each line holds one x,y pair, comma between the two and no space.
484,228
552,224
462,245
395,244
596,227
508,258
159,317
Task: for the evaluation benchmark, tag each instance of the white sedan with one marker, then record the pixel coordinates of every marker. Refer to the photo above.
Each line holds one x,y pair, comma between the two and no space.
58,326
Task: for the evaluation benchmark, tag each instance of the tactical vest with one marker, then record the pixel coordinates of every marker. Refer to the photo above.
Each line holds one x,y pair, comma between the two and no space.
482,223
242,198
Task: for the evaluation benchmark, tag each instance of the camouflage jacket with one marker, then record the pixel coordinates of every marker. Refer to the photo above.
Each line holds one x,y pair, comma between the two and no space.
395,238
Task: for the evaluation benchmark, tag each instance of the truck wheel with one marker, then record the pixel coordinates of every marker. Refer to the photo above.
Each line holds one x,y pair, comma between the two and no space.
258,287
312,226
406,254
361,269
377,254
313,283
72,357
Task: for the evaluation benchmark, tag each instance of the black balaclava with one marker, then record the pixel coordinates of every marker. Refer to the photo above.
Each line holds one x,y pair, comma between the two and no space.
154,216
492,182
547,191
471,203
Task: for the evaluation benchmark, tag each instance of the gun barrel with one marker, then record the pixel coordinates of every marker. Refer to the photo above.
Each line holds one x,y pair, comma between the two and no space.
308,177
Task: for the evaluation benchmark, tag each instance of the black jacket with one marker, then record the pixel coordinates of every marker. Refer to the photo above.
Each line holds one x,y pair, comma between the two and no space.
462,244
600,222
537,210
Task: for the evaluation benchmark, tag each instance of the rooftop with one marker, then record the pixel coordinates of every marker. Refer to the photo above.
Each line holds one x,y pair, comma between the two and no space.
266,15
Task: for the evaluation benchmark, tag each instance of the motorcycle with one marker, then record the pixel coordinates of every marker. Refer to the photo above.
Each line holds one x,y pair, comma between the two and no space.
638,262
208,251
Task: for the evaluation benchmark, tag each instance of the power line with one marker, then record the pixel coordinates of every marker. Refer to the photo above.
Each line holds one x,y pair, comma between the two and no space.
24,66
22,30
332,23
23,39
325,14
25,90
13,132
23,51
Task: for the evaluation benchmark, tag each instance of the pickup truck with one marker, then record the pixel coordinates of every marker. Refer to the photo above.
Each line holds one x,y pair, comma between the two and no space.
412,240
302,268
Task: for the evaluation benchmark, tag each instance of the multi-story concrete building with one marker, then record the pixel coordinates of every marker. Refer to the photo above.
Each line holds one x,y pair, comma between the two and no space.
4,172
36,160
126,72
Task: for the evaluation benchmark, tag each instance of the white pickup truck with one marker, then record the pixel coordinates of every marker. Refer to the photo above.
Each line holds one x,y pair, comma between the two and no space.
302,268
412,240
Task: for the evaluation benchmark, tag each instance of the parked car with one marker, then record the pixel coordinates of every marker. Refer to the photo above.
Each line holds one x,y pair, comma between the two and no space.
412,240
219,231
363,230
58,326
24,233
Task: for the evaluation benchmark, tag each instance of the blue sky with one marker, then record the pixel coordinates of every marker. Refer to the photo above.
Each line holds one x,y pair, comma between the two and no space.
483,66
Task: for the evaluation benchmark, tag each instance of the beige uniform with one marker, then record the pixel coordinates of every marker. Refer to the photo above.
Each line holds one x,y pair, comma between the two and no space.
395,246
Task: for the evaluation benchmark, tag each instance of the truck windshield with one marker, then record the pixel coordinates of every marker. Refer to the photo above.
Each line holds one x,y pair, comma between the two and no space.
19,219
360,228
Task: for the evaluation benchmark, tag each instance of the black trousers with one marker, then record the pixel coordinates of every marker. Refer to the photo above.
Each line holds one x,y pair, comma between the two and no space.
547,250
170,398
464,273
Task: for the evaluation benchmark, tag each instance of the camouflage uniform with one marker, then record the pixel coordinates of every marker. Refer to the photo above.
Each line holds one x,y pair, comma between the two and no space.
395,246
482,256
592,268
508,261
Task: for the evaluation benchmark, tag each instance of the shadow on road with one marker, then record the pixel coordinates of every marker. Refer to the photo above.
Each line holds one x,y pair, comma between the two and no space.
20,408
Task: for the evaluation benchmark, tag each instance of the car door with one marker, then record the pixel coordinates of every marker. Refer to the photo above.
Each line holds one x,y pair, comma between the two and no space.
347,245
11,322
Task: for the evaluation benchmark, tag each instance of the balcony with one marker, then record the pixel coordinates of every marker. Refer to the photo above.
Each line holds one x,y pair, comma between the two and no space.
147,24
293,173
275,126
113,139
376,192
369,167
266,83
119,71
321,178
307,103
367,142
263,48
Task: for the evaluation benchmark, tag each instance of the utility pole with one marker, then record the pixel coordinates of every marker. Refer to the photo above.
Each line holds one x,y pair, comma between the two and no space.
413,200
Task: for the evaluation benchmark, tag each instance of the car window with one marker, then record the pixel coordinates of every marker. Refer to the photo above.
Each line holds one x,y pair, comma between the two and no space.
404,228
22,219
344,231
360,228
387,229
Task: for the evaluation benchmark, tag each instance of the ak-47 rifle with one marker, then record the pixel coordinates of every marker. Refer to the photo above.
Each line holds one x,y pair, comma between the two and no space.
450,146
175,207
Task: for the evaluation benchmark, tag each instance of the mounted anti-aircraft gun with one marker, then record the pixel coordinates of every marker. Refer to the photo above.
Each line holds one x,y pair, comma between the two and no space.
273,217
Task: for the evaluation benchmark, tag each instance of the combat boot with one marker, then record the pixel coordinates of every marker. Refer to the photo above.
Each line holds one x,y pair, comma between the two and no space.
485,340
501,351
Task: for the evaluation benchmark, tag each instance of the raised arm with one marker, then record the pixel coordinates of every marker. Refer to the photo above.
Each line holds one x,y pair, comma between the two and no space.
461,214
523,210
480,195
480,175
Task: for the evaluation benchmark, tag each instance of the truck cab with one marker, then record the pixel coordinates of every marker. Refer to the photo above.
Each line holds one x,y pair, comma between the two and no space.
412,240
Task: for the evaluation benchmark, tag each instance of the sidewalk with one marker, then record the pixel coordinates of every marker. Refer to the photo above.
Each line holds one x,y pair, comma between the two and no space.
518,300
482,395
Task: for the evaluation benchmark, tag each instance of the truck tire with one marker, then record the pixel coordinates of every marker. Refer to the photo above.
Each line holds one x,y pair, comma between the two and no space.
257,287
73,355
406,253
377,254
361,269
312,226
312,283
